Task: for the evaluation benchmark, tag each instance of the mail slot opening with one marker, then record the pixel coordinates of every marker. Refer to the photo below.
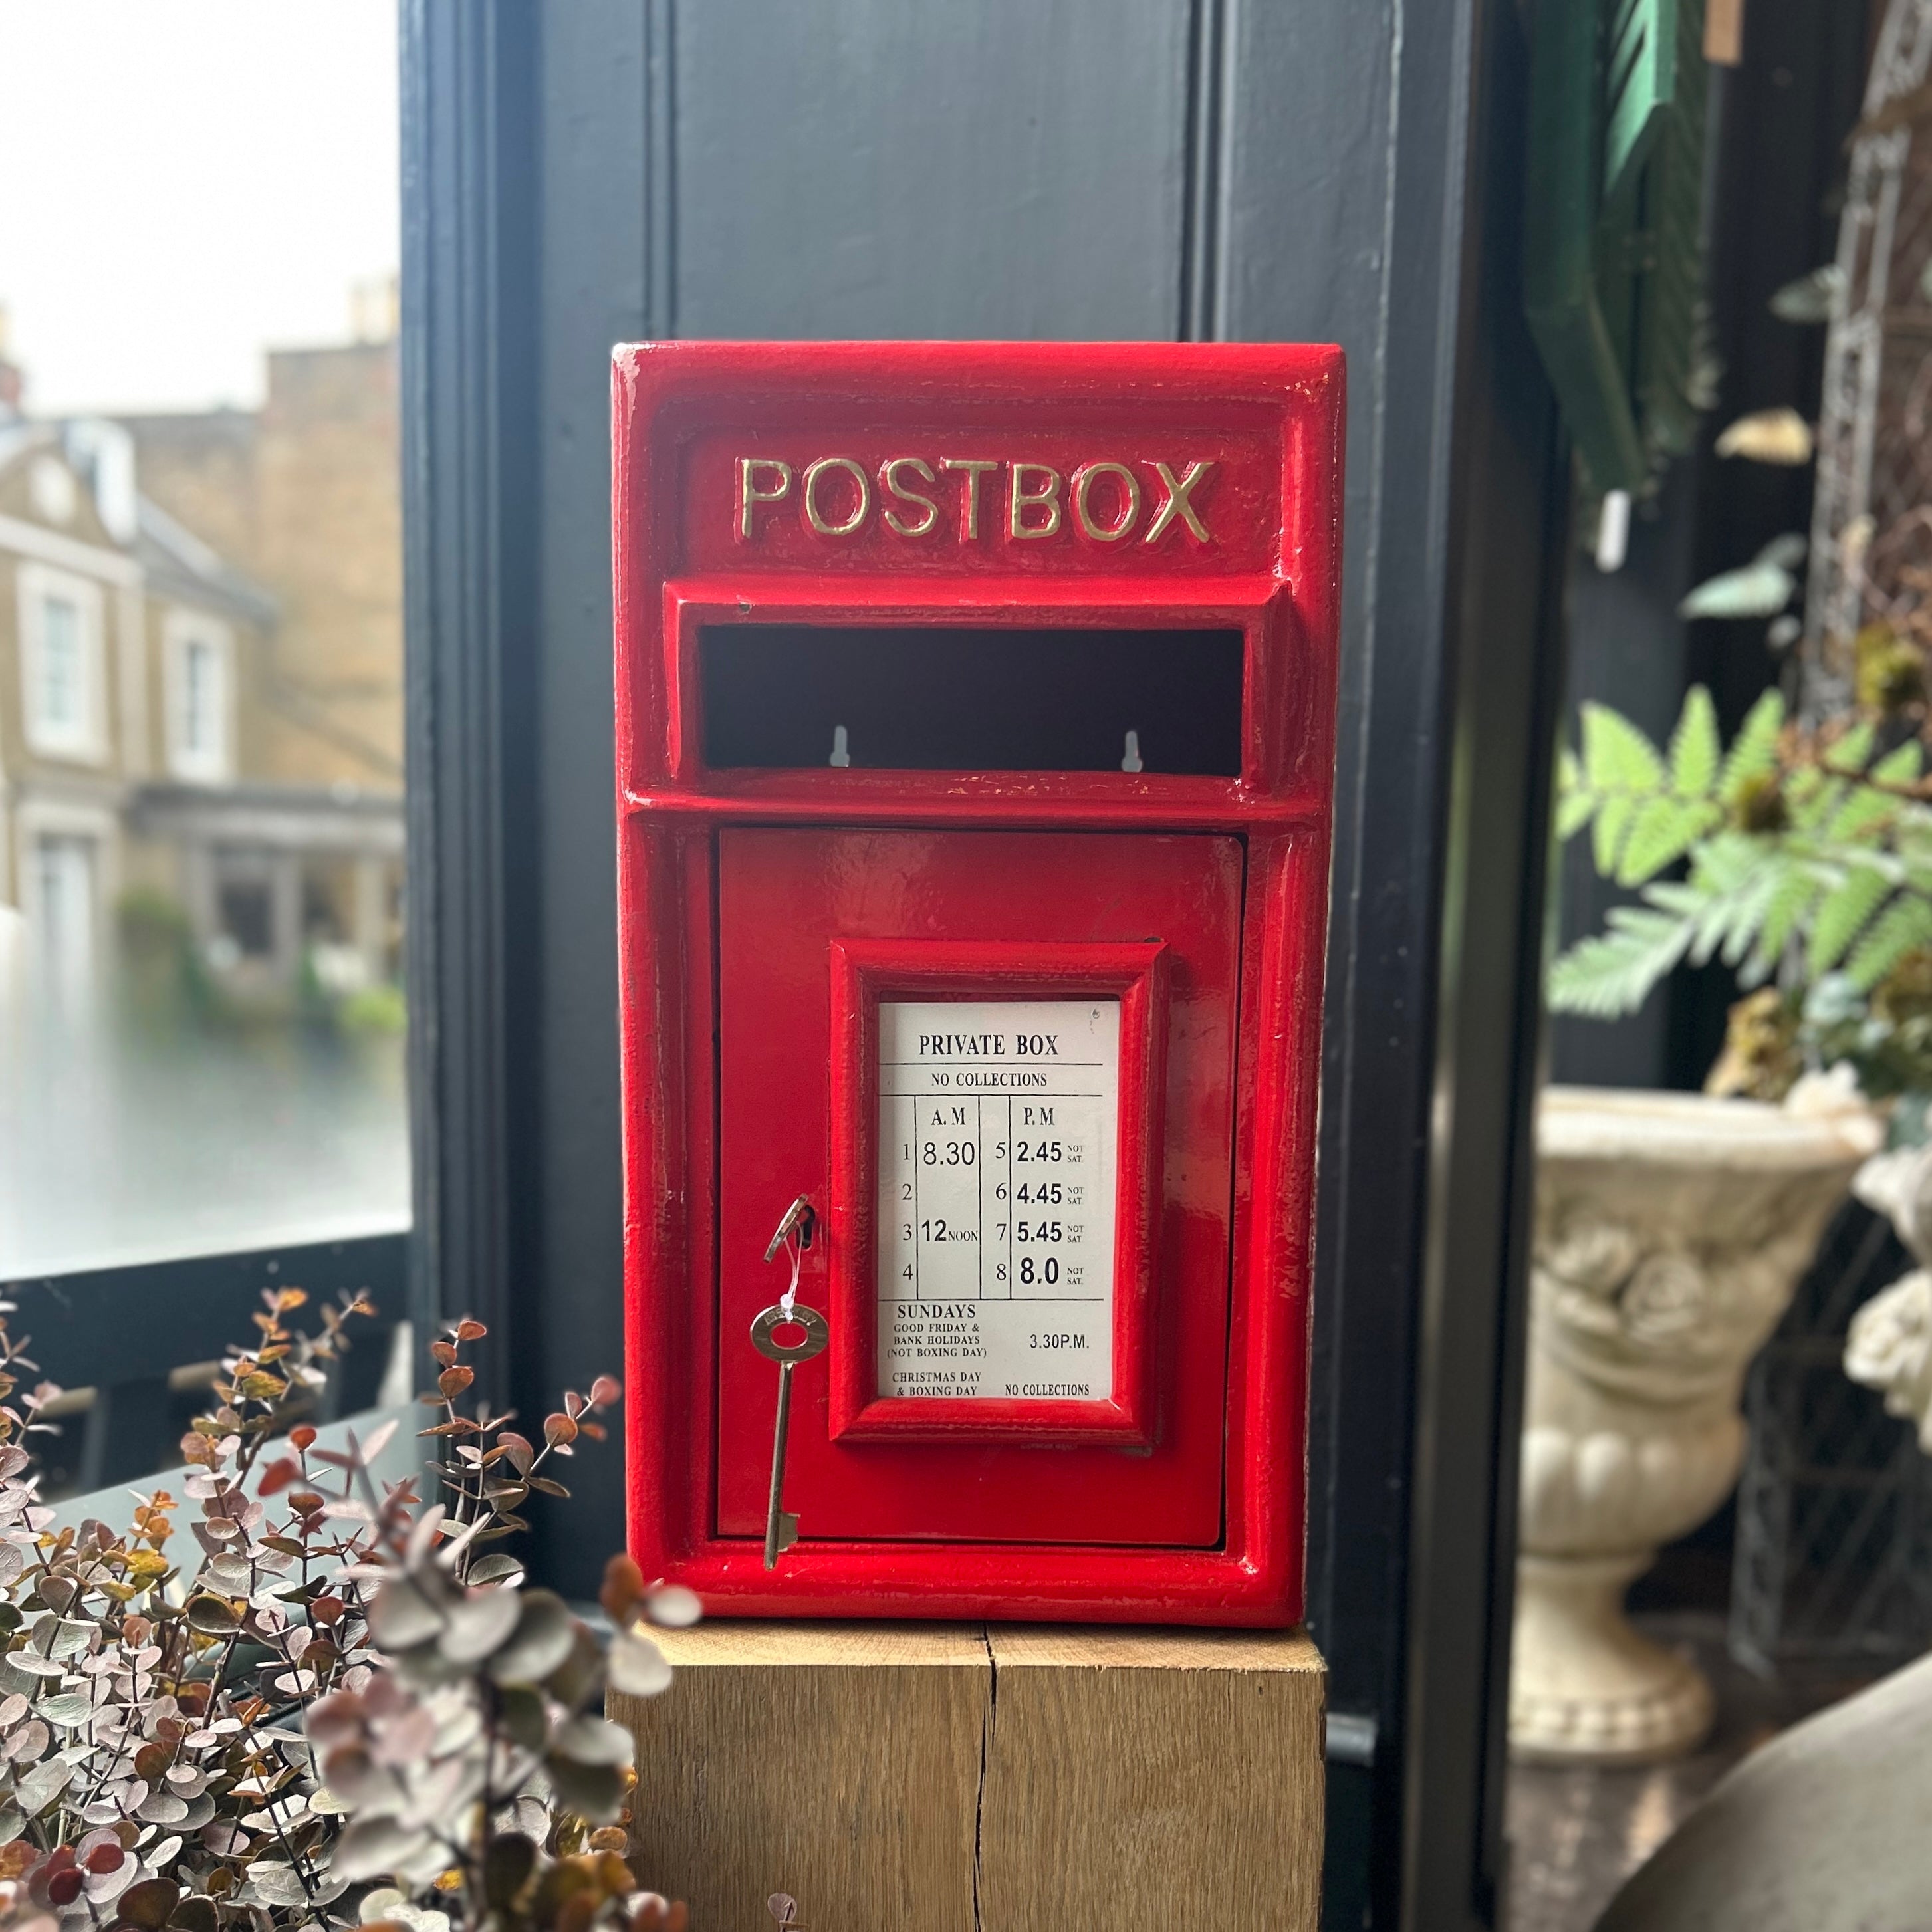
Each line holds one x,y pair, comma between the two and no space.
914,697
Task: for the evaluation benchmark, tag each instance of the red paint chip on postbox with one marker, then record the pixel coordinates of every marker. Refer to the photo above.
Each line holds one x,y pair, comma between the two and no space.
975,741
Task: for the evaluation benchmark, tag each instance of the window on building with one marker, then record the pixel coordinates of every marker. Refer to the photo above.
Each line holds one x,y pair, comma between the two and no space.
248,920
60,664
62,693
200,701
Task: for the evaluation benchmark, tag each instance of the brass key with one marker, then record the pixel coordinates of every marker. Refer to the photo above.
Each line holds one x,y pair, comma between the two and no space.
781,1526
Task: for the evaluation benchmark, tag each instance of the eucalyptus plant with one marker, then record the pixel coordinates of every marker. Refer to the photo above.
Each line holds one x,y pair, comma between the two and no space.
293,1696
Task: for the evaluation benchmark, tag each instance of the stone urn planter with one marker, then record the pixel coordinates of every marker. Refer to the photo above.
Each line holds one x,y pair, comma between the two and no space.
1671,1230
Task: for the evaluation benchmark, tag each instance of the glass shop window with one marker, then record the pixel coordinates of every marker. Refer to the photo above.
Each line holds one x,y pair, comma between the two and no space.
202,1017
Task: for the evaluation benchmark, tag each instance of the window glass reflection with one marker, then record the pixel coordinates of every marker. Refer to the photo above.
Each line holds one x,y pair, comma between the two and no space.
201,724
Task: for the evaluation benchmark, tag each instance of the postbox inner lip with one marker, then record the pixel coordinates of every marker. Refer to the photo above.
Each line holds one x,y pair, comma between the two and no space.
946,697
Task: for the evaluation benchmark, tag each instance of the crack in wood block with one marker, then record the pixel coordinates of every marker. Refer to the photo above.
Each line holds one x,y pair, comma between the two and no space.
965,1777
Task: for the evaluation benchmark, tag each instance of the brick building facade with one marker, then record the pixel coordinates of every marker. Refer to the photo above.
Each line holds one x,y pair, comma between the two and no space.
201,683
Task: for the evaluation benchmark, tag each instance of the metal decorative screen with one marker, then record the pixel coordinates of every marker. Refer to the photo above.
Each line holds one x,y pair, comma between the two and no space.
1833,1564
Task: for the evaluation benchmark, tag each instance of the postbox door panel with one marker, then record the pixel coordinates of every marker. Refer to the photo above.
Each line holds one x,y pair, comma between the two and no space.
1030,1036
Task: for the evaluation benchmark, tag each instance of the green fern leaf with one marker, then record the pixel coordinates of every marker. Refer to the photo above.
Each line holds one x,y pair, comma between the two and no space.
1863,813
1664,830
1575,802
1614,814
1573,811
1846,907
1812,805
1754,752
1796,893
1613,972
1694,749
1904,926
1901,767
1733,883
1850,752
1617,757
1747,911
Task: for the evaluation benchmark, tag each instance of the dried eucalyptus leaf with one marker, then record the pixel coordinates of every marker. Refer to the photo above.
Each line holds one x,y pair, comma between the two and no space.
508,1862
402,1617
592,1741
213,1616
479,1625
495,1570
36,1790
594,1792
523,1715
230,1573
26,1742
68,1709
375,1847
674,1606
545,1635
149,1903
635,1665
275,1884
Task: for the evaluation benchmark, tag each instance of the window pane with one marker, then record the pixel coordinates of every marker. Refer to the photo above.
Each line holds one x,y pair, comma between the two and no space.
60,664
201,817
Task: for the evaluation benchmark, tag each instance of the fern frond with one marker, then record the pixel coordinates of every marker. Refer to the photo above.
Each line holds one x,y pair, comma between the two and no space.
1901,767
1852,752
1613,974
1863,813
1754,752
1618,757
1695,750
1574,802
1663,829
1612,821
1905,925
1791,902
1842,915
1811,800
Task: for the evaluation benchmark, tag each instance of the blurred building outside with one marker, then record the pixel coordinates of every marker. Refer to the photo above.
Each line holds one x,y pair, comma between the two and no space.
201,779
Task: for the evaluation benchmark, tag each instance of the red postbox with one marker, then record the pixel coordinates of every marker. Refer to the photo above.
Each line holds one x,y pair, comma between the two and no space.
975,732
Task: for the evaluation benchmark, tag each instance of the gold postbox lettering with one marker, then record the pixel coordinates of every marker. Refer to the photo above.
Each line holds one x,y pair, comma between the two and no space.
890,474
750,468
1109,500
1083,508
1021,499
861,507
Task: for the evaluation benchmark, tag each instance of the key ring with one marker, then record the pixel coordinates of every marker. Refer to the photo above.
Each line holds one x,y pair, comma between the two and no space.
817,1333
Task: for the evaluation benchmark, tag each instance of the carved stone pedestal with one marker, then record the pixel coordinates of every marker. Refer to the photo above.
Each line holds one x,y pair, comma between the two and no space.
1670,1231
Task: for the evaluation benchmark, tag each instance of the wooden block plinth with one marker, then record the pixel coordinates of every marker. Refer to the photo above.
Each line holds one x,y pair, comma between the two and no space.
968,1778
